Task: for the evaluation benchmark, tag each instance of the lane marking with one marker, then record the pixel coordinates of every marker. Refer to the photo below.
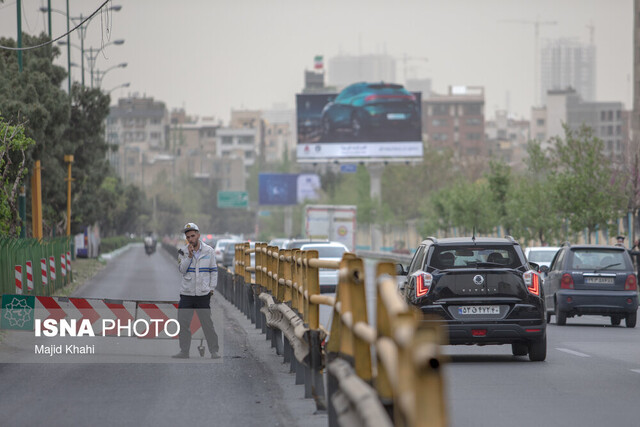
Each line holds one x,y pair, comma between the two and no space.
575,353
636,371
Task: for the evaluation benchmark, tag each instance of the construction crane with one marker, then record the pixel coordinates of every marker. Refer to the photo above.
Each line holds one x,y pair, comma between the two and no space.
536,57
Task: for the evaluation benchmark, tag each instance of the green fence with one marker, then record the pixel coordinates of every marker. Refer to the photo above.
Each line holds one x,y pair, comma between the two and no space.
16,252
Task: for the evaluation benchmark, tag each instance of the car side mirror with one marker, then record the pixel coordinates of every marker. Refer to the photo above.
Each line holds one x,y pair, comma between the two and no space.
534,266
400,271
544,269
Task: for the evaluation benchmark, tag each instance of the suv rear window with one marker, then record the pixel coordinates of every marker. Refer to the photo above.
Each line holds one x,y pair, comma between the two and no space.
591,259
473,256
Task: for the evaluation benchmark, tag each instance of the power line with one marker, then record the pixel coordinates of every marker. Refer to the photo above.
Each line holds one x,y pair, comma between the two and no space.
57,38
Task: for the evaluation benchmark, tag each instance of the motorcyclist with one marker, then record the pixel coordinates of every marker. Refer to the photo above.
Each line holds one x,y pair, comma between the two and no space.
149,244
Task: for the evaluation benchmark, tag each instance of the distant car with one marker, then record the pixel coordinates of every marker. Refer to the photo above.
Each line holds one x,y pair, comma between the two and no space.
482,289
372,110
298,243
592,280
229,254
328,250
280,242
209,239
541,255
220,247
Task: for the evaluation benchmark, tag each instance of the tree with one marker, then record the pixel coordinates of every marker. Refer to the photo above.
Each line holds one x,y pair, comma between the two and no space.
530,207
586,193
499,178
463,204
13,144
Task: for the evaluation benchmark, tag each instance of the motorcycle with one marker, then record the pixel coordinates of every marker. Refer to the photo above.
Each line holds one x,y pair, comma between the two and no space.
149,246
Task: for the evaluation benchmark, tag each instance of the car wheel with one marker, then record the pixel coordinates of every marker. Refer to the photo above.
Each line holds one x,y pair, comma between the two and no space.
615,320
538,349
549,316
519,349
631,320
561,316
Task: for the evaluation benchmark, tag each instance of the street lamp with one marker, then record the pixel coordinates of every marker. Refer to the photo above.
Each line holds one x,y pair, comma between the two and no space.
92,58
100,74
82,34
118,87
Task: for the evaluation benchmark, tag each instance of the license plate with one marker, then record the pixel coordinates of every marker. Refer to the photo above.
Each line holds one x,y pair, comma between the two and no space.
396,116
479,309
599,280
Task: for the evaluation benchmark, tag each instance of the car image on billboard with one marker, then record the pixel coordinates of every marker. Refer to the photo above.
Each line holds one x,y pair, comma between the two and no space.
363,120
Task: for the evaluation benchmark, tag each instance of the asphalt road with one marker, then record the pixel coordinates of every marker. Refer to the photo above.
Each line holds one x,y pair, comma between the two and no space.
249,386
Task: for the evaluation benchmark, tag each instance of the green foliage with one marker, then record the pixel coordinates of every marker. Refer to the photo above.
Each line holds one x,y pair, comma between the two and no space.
60,126
13,144
530,202
464,205
499,179
585,192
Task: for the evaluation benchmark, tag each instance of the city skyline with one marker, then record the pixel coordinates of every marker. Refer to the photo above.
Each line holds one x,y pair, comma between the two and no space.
212,57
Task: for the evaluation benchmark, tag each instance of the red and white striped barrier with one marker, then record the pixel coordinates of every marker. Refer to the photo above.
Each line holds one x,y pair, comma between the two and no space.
69,262
29,276
18,270
52,267
63,266
43,270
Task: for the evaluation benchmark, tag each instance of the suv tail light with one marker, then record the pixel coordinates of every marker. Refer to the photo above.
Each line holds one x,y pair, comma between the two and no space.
423,284
631,284
532,280
567,281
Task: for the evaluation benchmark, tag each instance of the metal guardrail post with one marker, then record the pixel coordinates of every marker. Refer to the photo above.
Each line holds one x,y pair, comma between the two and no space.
256,300
358,301
334,345
384,327
429,400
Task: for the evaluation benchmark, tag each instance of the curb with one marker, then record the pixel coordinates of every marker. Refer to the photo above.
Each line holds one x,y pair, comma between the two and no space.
111,255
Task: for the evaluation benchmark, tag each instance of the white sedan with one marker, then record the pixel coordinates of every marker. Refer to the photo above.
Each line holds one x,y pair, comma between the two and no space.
332,251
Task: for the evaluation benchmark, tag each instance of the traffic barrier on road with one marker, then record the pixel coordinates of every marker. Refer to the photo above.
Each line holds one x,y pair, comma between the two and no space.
403,387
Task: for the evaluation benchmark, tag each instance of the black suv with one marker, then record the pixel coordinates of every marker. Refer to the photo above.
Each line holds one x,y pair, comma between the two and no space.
483,289
592,279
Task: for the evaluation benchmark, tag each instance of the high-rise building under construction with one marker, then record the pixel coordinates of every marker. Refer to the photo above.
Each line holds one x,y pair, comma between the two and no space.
568,63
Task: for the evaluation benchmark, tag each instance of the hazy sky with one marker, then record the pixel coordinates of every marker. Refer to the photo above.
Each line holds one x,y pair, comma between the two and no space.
211,56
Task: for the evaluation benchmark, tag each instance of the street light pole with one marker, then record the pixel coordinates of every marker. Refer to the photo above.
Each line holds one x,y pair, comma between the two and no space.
19,12
100,74
68,51
49,17
82,32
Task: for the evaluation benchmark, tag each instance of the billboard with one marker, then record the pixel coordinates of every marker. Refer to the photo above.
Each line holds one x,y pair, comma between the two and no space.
287,188
365,121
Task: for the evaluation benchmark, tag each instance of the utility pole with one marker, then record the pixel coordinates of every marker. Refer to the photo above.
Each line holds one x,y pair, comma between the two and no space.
36,202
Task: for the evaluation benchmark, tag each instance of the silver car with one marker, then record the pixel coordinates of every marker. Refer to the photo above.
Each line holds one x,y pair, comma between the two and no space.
331,251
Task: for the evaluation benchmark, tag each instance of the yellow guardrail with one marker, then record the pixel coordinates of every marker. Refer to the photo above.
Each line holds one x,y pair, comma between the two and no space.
401,386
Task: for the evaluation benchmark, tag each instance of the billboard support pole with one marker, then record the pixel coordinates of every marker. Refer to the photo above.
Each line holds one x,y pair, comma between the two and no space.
288,221
375,192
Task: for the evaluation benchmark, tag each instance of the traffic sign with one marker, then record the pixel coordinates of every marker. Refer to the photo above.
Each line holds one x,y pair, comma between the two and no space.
233,199
348,168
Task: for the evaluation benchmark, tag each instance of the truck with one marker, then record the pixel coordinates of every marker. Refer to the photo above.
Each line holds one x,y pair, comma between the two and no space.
333,222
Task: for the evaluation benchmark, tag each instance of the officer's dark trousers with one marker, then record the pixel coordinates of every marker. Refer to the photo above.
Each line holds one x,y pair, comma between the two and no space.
185,314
